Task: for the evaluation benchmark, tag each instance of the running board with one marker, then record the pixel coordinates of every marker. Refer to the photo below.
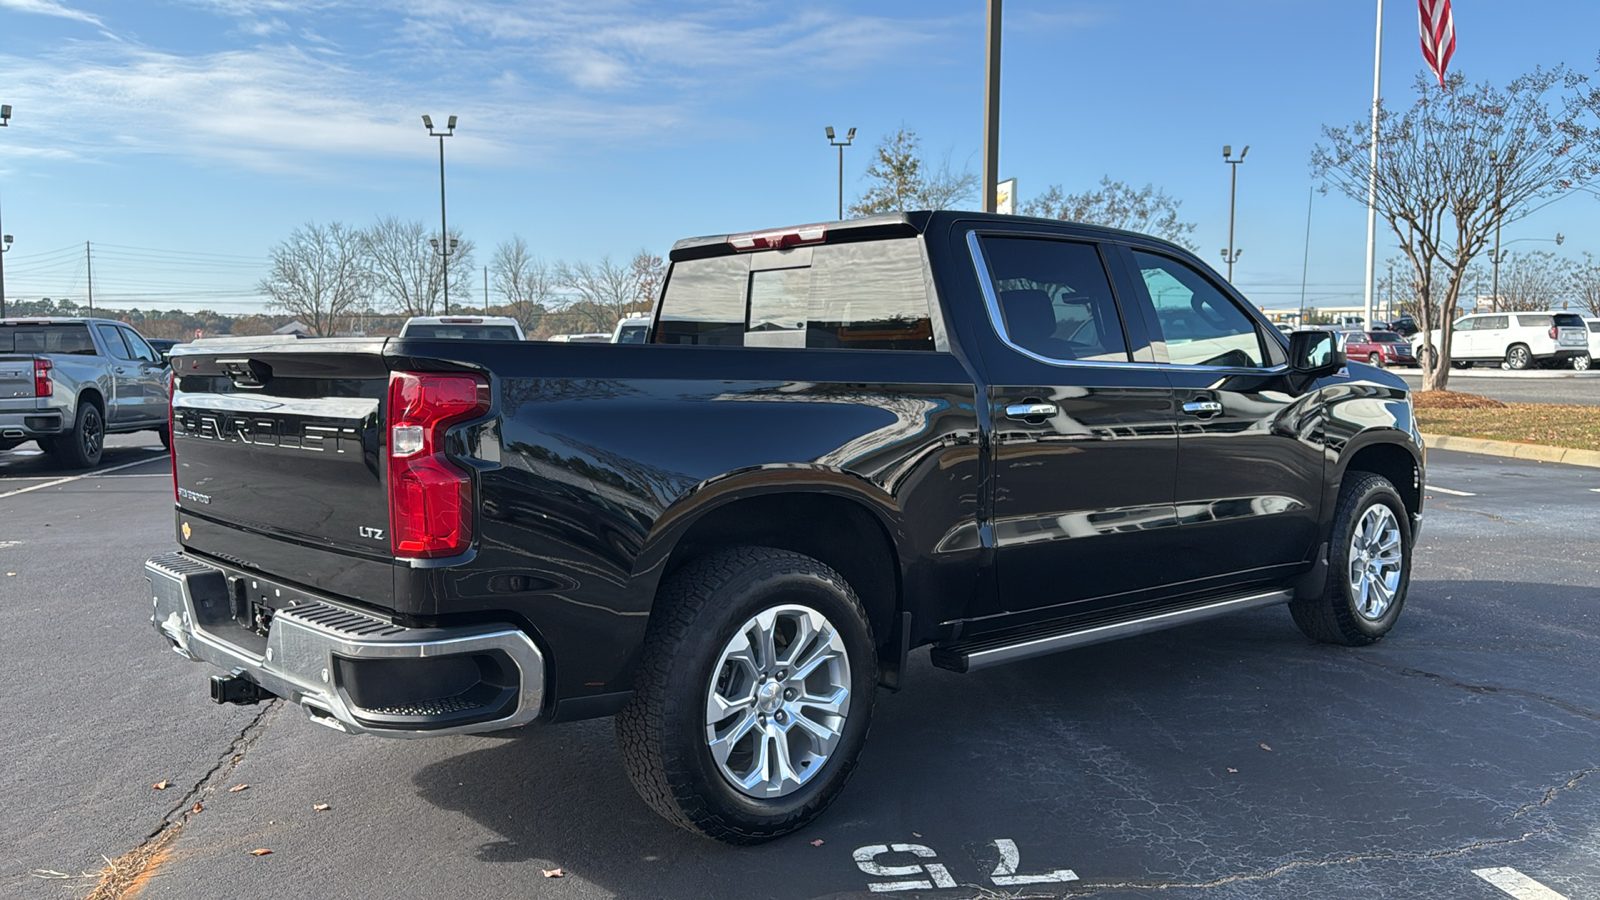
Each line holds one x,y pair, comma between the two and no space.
983,653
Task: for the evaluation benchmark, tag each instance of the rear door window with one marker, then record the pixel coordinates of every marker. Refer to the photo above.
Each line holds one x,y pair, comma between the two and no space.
1055,299
115,345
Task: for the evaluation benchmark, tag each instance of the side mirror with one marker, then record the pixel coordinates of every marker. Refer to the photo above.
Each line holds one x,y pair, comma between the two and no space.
1315,353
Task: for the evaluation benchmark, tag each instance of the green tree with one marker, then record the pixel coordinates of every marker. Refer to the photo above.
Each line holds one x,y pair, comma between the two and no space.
901,180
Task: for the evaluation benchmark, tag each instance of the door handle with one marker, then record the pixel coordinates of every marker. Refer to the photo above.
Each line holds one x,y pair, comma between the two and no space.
1030,410
1202,408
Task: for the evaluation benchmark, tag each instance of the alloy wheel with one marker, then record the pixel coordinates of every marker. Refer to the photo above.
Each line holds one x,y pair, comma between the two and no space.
93,434
1375,558
1518,358
1582,363
778,700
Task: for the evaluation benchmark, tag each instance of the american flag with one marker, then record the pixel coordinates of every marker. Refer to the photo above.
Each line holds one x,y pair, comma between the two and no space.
1438,34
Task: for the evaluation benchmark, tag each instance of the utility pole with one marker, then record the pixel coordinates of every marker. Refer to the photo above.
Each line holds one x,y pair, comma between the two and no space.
88,263
991,110
485,288
1231,255
444,245
851,136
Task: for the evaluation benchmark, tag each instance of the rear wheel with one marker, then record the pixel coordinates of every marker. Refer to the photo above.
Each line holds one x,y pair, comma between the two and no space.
1518,357
1582,362
82,448
1369,566
754,695
165,433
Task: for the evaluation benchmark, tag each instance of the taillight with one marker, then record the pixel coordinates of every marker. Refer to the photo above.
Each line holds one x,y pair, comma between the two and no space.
172,434
430,499
42,386
1554,332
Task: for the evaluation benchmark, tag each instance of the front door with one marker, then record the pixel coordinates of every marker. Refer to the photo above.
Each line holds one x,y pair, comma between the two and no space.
1249,485
1083,434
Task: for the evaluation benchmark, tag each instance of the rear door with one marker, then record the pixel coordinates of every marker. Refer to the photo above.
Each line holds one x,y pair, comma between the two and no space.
1248,490
127,401
1083,435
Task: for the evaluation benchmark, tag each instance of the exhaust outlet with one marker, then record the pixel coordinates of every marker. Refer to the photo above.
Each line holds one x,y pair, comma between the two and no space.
237,689
13,433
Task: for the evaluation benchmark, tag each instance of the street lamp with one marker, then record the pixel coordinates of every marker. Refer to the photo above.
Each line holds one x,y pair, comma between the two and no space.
850,136
5,242
1231,255
1498,256
443,245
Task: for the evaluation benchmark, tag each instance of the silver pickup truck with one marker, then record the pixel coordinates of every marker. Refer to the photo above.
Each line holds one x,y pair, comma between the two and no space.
68,382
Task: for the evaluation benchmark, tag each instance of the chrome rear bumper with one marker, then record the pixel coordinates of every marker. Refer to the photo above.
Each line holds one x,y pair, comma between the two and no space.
349,669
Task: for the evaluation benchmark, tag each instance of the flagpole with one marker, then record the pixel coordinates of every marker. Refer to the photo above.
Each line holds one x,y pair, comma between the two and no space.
1372,174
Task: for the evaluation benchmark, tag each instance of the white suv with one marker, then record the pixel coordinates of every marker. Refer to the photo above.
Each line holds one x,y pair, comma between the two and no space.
1518,340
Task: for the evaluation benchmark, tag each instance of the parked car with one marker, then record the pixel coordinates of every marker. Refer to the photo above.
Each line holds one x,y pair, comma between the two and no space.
162,346
1594,345
470,328
1405,326
66,383
819,462
592,337
1516,340
1378,348
631,330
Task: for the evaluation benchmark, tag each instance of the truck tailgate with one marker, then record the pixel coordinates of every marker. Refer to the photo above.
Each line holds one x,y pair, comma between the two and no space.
286,442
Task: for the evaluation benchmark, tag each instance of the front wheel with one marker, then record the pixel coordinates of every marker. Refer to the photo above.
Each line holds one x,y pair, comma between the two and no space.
754,695
1375,360
1369,566
1582,362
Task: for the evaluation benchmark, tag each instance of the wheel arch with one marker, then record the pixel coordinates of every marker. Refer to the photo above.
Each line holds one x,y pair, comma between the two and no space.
835,519
1388,454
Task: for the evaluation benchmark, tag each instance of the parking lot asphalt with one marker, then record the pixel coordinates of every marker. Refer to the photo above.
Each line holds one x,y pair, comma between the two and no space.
1230,759
1535,386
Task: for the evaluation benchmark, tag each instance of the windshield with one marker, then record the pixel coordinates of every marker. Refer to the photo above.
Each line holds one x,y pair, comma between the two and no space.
463,332
42,338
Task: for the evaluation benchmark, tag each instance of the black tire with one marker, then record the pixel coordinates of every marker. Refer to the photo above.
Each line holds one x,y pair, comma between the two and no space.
1331,615
662,732
1518,357
165,434
82,448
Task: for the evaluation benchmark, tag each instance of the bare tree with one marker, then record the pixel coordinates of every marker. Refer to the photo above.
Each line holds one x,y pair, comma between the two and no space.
647,270
1115,203
1531,281
317,276
1455,163
1584,283
599,294
405,265
902,180
523,281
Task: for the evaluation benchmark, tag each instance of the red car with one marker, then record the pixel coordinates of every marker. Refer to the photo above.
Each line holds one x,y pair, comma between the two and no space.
1380,348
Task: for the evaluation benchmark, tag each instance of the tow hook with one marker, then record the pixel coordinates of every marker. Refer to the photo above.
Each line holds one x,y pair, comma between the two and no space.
236,689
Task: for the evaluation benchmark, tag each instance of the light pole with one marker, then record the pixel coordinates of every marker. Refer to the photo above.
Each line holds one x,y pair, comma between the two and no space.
1498,256
443,245
1231,255
5,241
849,136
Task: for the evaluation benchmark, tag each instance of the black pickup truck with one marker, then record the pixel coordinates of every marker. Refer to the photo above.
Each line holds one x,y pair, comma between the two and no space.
997,436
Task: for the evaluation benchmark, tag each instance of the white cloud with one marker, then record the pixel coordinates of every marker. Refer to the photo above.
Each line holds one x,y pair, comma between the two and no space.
51,8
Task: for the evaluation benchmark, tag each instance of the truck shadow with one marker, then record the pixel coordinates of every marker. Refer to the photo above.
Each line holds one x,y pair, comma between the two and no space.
1227,746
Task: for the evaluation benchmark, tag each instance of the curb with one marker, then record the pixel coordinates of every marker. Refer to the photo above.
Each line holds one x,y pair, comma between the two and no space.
1538,452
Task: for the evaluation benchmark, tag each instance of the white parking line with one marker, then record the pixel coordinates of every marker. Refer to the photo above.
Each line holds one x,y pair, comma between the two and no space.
1441,490
84,475
1595,490
1517,884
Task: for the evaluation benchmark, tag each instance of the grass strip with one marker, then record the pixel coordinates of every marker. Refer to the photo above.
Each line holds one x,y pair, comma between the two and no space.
1553,425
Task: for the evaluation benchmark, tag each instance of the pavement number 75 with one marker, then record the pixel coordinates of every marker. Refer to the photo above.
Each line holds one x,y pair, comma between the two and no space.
927,874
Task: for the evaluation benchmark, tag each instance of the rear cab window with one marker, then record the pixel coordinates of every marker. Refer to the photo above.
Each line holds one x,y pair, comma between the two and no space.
27,337
863,295
463,332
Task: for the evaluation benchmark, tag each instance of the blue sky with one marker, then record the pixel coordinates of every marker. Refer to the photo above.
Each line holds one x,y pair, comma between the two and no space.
185,137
